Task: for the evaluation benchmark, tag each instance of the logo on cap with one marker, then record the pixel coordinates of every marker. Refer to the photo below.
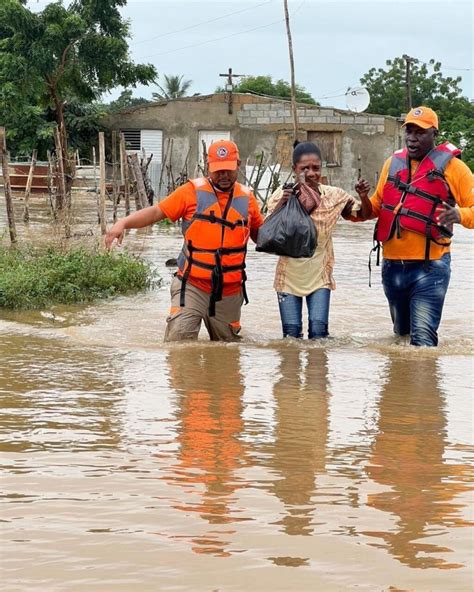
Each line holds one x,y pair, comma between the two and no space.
418,112
222,152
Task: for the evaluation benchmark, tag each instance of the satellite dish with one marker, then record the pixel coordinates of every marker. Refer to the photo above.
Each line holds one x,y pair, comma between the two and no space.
357,99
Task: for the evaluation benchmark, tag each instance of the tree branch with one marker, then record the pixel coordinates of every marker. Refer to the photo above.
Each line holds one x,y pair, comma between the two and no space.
62,64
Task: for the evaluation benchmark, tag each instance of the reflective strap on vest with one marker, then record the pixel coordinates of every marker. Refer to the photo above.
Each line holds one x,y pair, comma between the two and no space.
440,159
186,275
222,250
211,267
397,164
213,219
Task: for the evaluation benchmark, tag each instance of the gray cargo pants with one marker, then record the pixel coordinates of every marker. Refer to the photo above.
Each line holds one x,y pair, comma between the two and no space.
184,323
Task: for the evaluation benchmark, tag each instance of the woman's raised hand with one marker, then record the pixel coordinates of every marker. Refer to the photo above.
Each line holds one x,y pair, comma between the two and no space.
362,187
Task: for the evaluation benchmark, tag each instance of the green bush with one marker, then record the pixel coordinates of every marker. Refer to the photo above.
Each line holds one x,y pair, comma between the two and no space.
35,279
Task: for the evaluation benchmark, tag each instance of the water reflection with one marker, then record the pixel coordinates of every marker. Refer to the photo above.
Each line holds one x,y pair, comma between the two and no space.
409,457
191,468
209,388
298,454
55,396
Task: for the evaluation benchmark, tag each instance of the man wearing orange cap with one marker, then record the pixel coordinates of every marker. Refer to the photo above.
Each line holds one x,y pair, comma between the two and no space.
422,191
218,216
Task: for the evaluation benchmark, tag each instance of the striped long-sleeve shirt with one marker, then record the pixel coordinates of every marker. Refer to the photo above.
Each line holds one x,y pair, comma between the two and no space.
303,276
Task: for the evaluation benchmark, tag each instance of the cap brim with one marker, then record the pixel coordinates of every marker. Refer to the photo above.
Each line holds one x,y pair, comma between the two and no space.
223,165
421,124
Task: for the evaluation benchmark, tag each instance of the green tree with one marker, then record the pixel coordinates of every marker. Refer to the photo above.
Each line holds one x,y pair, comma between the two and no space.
59,55
174,87
83,124
429,87
265,85
125,101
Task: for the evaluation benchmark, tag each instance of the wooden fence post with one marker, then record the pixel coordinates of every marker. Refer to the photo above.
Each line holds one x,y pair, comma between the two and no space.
102,214
7,187
114,174
144,164
61,196
52,185
169,169
94,168
162,169
138,178
124,174
29,183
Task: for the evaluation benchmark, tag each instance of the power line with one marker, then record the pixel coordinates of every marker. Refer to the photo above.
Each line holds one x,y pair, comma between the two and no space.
288,99
254,92
330,97
445,67
218,38
333,96
210,40
460,69
224,16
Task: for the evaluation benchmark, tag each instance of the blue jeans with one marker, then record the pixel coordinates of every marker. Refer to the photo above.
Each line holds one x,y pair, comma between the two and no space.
291,307
415,292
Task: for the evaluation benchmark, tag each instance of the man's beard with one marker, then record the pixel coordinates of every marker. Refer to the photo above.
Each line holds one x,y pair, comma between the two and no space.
217,186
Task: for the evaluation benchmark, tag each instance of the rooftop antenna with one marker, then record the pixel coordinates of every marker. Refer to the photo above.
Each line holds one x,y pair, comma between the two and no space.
357,99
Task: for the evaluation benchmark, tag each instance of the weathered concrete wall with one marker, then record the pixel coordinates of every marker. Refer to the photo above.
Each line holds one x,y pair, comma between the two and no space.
279,113
367,140
180,120
259,124
362,155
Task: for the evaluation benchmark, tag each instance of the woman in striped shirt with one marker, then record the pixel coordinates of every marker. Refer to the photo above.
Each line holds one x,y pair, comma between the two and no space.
311,278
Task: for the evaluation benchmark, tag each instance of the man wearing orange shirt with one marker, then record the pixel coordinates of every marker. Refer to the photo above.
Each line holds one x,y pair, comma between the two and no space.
422,191
218,215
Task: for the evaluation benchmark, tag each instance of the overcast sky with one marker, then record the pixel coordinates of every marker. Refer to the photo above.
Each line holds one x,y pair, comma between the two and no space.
334,42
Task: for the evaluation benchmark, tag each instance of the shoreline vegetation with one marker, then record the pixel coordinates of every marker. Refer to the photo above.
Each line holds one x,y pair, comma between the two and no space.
49,275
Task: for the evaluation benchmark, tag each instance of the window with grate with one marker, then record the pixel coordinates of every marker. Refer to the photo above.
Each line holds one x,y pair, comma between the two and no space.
330,144
132,139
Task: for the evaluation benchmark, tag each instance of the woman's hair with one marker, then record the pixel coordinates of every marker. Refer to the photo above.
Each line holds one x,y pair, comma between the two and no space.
302,148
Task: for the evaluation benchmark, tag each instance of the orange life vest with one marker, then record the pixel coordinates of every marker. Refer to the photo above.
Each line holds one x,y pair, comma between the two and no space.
215,241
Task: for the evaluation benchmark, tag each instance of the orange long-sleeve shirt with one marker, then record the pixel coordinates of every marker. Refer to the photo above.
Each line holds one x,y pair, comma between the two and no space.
411,245
182,204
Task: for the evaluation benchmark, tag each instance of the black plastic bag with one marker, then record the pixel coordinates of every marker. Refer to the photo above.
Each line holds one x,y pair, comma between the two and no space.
288,231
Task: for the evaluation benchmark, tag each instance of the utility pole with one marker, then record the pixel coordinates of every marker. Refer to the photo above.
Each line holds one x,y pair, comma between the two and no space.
229,87
408,61
292,71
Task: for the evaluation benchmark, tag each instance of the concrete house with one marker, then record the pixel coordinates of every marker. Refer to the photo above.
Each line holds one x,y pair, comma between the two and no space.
352,144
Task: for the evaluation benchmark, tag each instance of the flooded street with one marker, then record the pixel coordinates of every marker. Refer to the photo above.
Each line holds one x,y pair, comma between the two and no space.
266,465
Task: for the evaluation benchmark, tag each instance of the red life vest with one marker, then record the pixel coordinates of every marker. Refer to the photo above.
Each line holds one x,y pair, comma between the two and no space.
414,204
215,241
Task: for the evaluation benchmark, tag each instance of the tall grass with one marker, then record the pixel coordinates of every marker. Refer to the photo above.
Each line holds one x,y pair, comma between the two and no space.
36,279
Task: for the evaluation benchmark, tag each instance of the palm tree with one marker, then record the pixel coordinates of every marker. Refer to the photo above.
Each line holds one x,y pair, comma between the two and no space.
174,87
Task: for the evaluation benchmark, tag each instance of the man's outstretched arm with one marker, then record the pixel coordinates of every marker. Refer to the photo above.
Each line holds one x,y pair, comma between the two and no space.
138,219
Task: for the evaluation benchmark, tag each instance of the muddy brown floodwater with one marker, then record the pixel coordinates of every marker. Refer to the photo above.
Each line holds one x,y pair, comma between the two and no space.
266,465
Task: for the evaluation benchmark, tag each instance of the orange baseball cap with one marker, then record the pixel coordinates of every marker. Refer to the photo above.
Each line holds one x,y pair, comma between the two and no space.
422,117
223,155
